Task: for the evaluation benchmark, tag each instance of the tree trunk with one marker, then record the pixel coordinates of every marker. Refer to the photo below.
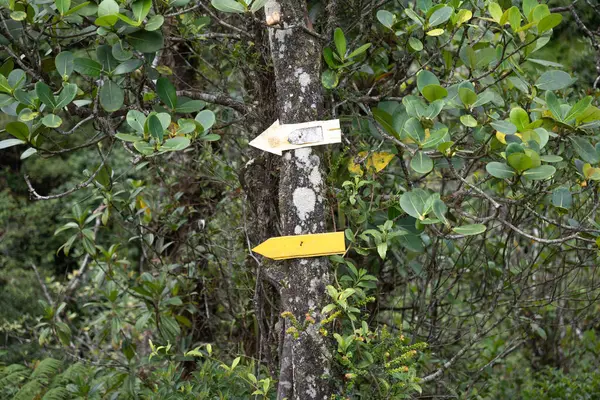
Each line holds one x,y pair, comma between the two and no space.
305,361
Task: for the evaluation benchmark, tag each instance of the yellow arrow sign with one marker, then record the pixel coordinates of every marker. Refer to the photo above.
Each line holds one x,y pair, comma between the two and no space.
302,246
278,138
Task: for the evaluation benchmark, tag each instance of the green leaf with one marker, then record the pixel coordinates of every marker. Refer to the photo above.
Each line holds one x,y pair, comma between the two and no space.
439,209
414,130
434,92
154,23
106,58
519,118
415,43
340,42
554,80
45,94
119,53
549,22
10,142
578,108
386,18
467,96
562,198
86,66
175,144
514,18
4,86
500,170
550,158
425,78
77,8
18,15
553,105
64,63
257,5
155,128
66,96
144,147
140,9
111,96
128,66
468,120
52,121
228,6
146,42
360,50
413,203
126,137
421,163
469,230
28,153
495,11
206,118
586,151
440,16
540,173
188,106
136,120
506,127
18,129
167,93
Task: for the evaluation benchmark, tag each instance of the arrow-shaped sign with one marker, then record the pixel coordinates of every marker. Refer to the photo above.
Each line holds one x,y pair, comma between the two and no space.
278,138
302,246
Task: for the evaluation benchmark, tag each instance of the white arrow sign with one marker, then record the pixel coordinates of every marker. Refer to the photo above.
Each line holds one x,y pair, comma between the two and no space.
278,138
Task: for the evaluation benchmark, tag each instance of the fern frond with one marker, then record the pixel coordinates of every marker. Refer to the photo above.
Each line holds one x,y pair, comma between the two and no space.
30,391
59,393
46,370
13,375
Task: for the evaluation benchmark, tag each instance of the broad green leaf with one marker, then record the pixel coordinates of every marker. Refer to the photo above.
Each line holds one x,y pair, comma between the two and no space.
144,147
257,5
228,6
6,100
579,108
18,15
175,144
188,106
506,127
52,121
519,118
421,163
414,130
439,208
127,137
553,105
108,7
549,22
86,66
111,96
340,42
140,9
45,94
125,19
469,230
206,118
155,128
10,143
17,79
440,16
106,58
386,18
119,53
467,96
514,18
554,80
495,11
434,92
146,42
28,153
167,93
528,6
468,120
413,203
425,78
154,23
550,158
360,50
586,151
435,32
414,16
128,66
77,8
415,43
4,86
64,63
136,120
520,161
562,198
500,170
540,173
18,130
62,6
66,96
330,79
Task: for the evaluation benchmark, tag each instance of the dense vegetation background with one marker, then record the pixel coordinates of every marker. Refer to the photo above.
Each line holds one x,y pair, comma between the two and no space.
465,183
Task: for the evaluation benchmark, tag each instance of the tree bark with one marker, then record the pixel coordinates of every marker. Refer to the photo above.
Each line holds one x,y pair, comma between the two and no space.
305,361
